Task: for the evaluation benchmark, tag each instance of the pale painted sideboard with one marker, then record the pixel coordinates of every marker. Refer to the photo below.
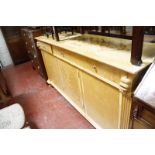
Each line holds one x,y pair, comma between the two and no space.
95,75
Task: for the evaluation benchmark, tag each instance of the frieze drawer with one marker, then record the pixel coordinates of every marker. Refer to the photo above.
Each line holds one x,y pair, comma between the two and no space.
44,47
93,67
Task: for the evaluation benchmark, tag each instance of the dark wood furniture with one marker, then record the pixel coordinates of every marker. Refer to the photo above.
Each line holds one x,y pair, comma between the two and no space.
29,35
110,31
142,116
3,84
137,38
4,91
59,29
143,110
137,45
15,43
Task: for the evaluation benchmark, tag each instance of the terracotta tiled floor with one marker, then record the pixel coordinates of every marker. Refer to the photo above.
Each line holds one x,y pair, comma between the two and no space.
42,104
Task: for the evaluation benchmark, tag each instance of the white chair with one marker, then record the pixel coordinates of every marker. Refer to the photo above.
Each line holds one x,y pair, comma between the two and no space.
12,117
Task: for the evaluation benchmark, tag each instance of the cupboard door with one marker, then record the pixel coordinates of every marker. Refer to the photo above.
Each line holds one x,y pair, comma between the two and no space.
52,68
71,83
101,101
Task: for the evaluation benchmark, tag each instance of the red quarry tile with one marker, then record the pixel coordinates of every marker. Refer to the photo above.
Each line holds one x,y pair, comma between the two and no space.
43,105
23,79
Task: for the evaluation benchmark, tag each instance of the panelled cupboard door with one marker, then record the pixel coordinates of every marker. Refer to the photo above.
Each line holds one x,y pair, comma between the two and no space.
52,68
71,83
101,101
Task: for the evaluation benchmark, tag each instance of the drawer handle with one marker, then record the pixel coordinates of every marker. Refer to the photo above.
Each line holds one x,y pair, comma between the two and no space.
62,54
95,68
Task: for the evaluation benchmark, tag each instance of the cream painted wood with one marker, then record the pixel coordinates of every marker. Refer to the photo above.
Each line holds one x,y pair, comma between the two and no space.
89,65
52,68
114,52
75,105
101,101
71,83
116,85
44,47
125,100
97,88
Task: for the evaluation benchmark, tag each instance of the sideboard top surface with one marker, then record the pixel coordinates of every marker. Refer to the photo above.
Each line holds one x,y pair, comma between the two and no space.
111,51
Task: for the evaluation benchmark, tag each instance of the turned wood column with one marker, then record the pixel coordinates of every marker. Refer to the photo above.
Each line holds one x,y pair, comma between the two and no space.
137,45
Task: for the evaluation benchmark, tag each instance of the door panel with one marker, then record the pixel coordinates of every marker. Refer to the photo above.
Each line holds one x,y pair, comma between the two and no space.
71,83
101,101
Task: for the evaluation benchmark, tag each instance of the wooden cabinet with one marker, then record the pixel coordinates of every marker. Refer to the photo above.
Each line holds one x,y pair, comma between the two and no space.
143,115
59,71
98,99
15,43
96,85
28,35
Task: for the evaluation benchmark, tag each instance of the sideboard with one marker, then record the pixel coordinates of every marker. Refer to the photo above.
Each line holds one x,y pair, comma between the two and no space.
95,75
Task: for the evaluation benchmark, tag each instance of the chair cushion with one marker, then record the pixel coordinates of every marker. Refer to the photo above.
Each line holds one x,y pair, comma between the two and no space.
12,117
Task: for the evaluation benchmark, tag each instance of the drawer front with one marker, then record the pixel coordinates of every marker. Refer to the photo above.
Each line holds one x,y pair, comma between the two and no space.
94,67
44,47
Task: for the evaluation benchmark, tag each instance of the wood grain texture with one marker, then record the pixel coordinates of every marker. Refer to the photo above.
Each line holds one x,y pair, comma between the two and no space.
142,115
71,82
15,43
101,101
137,45
28,35
52,69
99,91
104,50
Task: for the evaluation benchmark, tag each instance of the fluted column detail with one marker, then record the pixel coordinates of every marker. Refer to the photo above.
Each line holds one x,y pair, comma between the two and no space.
124,102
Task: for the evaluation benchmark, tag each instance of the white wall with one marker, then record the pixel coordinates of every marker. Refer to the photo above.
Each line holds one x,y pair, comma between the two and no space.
5,57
